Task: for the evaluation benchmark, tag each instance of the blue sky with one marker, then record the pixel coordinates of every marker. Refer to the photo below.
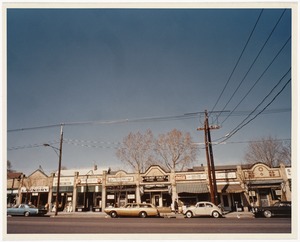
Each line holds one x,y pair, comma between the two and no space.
79,65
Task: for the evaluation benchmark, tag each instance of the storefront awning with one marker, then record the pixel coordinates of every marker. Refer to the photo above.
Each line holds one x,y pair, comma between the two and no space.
265,183
194,187
230,188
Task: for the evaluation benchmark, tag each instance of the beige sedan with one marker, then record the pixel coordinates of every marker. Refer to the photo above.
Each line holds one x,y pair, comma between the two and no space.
141,210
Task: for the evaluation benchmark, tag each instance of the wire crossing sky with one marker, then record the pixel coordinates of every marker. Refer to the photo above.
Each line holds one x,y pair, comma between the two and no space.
107,72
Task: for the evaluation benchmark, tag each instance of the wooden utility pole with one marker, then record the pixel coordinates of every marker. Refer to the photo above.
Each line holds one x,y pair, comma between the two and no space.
210,160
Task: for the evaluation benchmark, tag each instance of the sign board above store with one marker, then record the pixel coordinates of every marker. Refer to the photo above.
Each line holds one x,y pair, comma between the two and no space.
120,179
155,178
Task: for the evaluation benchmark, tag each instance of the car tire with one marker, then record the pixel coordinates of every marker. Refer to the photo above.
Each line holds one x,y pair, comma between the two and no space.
267,214
215,214
143,214
26,214
113,214
189,214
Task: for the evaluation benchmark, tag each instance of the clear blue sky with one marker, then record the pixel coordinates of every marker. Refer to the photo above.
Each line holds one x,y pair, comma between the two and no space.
78,65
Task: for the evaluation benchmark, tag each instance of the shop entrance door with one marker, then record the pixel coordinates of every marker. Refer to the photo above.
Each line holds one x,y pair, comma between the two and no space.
264,200
156,200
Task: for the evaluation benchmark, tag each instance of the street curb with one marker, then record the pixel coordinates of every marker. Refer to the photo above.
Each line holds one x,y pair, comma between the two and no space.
239,215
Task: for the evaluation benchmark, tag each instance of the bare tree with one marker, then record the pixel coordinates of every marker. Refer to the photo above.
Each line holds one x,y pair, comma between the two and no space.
136,150
9,167
175,150
286,153
267,150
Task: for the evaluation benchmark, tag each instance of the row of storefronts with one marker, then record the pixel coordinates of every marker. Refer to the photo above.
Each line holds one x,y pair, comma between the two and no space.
239,187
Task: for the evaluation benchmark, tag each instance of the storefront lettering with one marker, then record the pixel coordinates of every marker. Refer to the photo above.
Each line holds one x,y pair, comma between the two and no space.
89,180
225,175
35,189
120,179
155,178
64,181
182,177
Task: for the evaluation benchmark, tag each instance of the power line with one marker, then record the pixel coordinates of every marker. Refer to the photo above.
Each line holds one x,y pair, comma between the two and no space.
258,79
266,96
241,125
145,119
241,142
238,59
255,59
32,145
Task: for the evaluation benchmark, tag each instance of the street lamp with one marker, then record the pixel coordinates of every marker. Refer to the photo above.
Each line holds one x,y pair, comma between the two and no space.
59,165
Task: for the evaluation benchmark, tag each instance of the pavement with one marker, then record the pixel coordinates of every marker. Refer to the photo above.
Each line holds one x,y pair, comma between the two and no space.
239,215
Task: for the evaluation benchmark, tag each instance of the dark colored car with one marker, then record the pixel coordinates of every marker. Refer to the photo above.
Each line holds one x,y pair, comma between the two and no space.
25,210
282,209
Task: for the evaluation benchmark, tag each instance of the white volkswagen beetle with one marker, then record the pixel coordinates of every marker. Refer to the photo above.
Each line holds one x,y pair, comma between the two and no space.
202,209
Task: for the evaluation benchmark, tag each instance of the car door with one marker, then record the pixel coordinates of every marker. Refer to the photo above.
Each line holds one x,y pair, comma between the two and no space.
200,209
135,210
21,210
126,211
208,209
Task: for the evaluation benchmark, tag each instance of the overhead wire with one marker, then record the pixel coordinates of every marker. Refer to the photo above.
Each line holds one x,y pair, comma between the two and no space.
254,61
242,124
257,80
248,40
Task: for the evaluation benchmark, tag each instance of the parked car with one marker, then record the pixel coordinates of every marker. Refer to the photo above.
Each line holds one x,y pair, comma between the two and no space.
141,210
203,209
25,210
278,209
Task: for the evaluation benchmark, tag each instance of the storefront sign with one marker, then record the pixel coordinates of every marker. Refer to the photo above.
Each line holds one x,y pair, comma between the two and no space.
12,191
89,180
110,196
35,189
64,181
155,178
120,179
184,177
225,175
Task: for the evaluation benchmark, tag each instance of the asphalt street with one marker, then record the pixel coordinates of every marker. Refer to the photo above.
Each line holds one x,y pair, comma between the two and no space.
96,225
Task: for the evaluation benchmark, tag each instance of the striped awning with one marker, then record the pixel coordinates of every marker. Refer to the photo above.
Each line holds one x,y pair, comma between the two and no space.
192,187
230,188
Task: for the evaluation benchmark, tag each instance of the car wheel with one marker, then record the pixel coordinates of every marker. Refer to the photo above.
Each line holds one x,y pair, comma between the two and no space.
189,214
267,214
143,214
26,214
113,214
215,214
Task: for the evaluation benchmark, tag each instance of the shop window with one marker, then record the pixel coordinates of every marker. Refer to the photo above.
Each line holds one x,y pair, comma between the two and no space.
276,194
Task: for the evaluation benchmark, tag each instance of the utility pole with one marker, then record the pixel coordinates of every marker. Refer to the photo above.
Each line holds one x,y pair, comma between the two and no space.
210,160
59,168
59,165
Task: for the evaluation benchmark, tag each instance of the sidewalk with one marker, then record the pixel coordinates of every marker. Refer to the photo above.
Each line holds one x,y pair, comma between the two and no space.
238,215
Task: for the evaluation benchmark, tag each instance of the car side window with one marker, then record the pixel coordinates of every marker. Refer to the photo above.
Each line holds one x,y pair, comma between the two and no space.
22,206
208,205
201,205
